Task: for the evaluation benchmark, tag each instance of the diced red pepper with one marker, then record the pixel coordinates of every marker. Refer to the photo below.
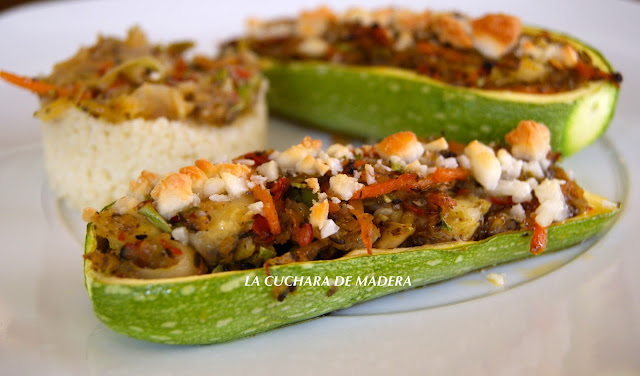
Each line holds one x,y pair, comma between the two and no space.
261,228
269,207
259,157
303,235
174,250
501,200
366,224
416,210
279,188
242,73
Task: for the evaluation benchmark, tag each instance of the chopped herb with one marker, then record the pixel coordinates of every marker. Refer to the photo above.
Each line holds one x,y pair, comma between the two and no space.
446,225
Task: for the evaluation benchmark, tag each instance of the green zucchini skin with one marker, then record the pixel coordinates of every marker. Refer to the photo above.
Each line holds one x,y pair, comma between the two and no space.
219,307
378,101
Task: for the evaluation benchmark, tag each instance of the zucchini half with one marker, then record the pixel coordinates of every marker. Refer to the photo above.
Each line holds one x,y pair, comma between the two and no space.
219,307
378,101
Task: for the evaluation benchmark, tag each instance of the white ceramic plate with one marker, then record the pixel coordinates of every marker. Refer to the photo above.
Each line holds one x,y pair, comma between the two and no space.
584,318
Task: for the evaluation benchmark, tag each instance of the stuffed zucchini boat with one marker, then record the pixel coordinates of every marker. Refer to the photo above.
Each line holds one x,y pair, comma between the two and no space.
216,252
373,73
122,105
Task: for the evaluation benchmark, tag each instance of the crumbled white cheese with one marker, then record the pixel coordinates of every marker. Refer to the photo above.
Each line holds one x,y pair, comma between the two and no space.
289,158
213,186
313,47
125,204
256,208
497,279
417,168
439,144
405,40
263,30
404,145
520,191
269,170
234,185
464,162
533,168
450,162
494,41
511,167
329,164
306,165
340,151
258,180
517,212
328,229
140,188
318,214
529,141
395,160
313,184
552,202
564,55
246,162
545,163
485,167
335,200
173,194
358,15
180,234
219,198
382,165
369,174
322,167
344,186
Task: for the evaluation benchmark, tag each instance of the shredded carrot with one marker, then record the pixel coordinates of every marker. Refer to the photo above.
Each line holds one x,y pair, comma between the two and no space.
267,272
32,84
366,224
104,67
269,208
179,68
427,48
359,163
538,240
445,175
402,182
406,182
